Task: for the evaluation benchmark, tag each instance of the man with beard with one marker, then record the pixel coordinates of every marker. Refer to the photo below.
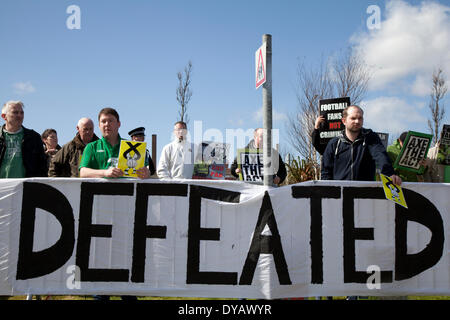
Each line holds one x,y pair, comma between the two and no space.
354,154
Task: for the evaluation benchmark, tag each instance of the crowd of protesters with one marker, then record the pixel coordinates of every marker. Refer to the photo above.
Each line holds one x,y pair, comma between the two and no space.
353,155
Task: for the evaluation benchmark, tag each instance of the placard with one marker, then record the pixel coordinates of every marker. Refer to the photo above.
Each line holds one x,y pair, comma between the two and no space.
392,191
414,150
131,157
215,152
209,171
250,161
331,109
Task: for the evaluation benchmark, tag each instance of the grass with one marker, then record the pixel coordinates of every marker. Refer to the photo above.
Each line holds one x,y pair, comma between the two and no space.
85,297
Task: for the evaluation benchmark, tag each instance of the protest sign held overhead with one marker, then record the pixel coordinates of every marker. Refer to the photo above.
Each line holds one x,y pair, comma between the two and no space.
332,109
414,150
250,161
131,157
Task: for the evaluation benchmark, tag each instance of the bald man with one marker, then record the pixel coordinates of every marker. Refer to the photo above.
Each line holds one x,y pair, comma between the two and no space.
66,161
354,154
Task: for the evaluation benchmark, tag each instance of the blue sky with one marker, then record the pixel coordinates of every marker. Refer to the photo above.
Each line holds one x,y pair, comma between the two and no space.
127,54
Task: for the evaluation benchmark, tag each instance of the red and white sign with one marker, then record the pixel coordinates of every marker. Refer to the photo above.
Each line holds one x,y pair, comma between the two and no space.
260,65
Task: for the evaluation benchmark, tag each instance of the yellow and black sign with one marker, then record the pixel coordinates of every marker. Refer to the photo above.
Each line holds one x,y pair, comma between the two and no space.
131,157
392,191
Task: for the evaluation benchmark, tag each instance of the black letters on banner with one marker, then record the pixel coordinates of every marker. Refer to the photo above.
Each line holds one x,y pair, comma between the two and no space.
196,233
316,194
87,230
351,234
422,211
43,196
142,231
35,264
267,245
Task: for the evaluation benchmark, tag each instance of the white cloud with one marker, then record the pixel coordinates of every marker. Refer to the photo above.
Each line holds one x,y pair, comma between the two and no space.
392,115
411,43
23,87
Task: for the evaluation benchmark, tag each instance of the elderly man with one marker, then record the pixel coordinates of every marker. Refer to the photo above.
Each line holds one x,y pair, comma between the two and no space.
100,157
353,154
66,161
21,149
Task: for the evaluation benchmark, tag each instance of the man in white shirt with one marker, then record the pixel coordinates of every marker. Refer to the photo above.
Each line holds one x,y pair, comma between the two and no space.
178,157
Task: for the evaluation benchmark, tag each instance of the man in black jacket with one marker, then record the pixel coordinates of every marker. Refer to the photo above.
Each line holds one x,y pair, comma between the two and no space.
352,156
21,149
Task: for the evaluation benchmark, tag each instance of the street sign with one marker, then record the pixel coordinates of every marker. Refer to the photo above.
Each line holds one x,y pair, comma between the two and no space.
260,65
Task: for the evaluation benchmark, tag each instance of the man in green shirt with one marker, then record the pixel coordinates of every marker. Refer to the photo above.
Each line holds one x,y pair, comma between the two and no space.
100,157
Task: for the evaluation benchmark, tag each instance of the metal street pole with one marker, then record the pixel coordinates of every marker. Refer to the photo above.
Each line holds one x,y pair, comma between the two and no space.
267,113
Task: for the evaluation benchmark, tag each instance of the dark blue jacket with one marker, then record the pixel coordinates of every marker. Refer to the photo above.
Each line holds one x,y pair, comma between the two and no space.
346,160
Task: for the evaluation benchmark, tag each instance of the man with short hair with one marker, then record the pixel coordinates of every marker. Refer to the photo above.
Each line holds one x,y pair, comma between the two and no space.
178,157
21,149
353,154
100,158
138,134
66,161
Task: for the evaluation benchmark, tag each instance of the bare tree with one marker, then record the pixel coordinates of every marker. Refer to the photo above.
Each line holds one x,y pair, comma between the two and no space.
184,93
344,75
437,108
313,84
351,76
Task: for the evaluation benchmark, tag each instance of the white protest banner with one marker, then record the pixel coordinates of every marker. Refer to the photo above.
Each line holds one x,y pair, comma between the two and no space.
199,238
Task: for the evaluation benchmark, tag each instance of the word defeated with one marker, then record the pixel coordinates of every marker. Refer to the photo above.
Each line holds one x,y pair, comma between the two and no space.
34,264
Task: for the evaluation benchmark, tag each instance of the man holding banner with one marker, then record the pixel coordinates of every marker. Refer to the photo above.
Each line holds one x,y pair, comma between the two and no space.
100,158
353,154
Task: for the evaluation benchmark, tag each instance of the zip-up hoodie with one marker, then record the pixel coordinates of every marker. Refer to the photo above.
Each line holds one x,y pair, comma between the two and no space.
347,160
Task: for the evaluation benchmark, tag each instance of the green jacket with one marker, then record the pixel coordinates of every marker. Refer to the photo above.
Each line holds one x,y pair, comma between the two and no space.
393,151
